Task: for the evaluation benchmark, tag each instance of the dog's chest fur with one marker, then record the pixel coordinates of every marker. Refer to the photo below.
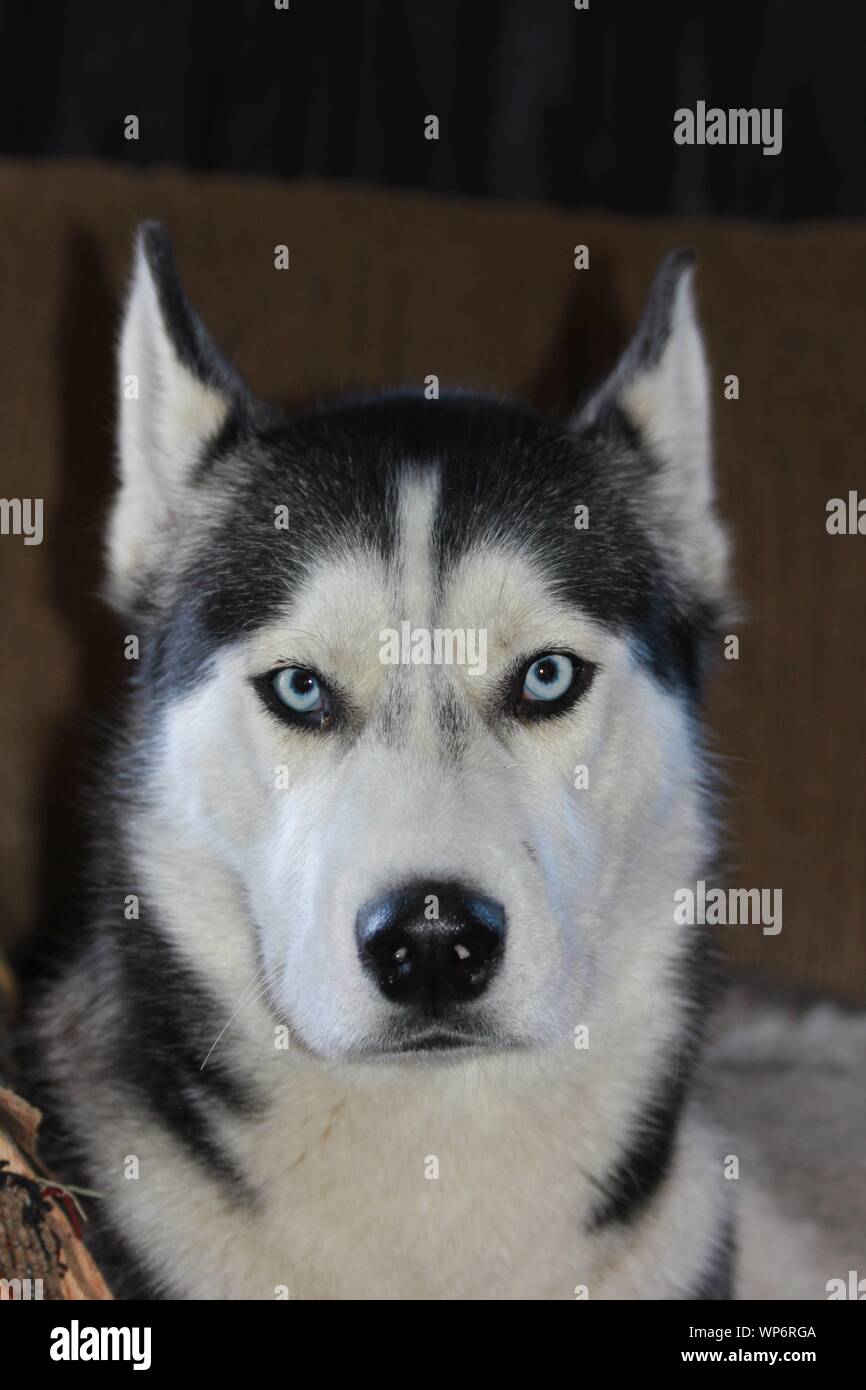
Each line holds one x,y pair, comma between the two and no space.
476,1184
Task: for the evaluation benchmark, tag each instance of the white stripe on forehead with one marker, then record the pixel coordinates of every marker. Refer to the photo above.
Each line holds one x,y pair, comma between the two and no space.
419,498
416,585
337,616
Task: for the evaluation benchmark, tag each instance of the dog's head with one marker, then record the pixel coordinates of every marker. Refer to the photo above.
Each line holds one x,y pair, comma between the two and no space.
421,674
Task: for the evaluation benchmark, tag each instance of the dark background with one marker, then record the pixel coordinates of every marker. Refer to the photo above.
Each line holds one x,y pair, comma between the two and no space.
535,99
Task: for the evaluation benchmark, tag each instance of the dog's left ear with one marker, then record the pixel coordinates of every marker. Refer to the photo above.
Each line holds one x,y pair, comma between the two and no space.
176,392
660,389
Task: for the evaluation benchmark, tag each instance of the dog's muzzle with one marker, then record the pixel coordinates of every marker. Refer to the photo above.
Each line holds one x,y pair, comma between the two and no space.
431,948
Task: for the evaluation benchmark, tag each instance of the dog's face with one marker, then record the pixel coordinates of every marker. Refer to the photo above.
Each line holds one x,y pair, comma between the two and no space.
422,673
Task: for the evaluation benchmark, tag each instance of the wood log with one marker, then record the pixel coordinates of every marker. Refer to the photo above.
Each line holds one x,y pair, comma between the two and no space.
42,1253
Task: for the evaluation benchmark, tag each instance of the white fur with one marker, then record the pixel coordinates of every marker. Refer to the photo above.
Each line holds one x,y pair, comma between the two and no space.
162,429
670,404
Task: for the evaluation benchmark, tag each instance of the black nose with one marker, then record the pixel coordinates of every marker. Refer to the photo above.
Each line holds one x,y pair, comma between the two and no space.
431,946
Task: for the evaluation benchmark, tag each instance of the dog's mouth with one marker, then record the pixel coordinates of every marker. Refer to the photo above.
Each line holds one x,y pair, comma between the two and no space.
439,1042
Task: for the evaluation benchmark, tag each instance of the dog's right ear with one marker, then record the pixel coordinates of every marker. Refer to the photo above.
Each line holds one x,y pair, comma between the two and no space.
175,394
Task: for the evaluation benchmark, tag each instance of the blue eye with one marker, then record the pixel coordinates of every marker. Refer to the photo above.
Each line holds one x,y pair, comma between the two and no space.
549,678
299,690
298,697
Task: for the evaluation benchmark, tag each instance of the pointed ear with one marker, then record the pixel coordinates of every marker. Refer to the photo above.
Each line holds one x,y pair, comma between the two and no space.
660,389
175,394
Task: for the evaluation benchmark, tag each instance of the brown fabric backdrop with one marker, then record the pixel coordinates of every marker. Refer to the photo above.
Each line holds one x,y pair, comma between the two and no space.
384,289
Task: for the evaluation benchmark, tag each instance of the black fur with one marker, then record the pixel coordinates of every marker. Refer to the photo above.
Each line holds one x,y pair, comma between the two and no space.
170,1022
649,1147
646,1159
190,339
717,1280
507,474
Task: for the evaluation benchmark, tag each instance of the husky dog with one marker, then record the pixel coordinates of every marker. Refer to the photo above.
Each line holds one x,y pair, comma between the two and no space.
383,995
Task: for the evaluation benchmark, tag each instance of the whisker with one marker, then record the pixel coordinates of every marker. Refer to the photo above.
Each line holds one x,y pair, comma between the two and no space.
255,982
